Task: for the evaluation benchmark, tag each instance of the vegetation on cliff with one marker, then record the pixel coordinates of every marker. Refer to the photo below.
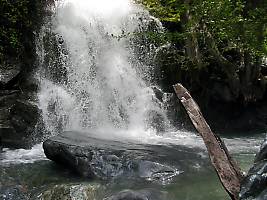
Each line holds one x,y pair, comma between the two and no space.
217,49
224,39
18,21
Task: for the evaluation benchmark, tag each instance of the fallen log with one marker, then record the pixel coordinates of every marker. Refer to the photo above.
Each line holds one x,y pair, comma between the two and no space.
229,173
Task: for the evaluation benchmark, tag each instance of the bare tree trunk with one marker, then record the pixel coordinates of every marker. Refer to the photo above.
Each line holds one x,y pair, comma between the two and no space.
226,168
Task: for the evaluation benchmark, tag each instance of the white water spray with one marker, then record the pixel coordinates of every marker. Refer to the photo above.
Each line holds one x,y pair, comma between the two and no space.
104,91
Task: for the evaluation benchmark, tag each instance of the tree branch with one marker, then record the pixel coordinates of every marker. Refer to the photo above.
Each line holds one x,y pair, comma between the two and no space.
226,168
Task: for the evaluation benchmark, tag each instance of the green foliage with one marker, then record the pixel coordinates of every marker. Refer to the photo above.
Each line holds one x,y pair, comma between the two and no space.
168,10
17,22
214,42
232,23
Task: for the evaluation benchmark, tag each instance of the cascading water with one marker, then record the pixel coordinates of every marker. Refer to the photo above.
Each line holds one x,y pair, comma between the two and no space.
95,77
104,88
96,74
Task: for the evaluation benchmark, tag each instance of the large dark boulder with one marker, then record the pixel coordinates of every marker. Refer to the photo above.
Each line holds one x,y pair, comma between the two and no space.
18,119
18,87
105,159
18,115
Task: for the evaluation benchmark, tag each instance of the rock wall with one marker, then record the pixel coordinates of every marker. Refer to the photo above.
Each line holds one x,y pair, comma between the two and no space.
233,102
19,113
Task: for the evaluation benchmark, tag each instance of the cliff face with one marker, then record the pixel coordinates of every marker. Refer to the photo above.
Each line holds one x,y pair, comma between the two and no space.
218,51
233,101
19,114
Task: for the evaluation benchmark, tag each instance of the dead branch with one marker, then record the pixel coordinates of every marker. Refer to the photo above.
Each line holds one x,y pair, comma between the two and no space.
226,168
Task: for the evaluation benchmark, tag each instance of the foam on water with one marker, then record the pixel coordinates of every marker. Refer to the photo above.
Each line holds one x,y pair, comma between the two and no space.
22,156
238,145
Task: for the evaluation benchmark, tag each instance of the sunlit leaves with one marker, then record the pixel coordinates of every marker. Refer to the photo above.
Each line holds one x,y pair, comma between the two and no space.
231,22
168,10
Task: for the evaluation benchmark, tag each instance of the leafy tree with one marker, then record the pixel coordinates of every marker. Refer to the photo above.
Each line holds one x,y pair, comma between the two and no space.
224,40
18,19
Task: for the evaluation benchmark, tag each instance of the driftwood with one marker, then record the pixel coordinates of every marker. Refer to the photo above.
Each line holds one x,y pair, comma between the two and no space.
226,168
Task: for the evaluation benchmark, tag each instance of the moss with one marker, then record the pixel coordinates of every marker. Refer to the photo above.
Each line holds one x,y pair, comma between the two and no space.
18,20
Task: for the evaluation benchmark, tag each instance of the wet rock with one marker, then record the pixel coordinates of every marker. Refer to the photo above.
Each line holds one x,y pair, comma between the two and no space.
159,94
262,196
155,120
136,195
13,192
8,97
70,192
254,184
24,115
9,72
6,101
156,171
174,111
18,119
104,159
222,92
262,155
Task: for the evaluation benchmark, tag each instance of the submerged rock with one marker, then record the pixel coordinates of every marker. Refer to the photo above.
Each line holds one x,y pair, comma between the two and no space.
156,171
136,195
104,159
12,192
70,192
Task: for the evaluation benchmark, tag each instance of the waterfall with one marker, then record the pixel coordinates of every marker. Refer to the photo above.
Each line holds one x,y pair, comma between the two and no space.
96,77
101,85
